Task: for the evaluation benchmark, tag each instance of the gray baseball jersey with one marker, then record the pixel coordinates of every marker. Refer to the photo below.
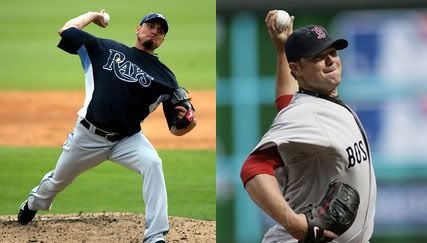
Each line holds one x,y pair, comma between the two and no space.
320,140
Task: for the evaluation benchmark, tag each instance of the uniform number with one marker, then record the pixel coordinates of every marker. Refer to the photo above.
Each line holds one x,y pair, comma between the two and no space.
356,153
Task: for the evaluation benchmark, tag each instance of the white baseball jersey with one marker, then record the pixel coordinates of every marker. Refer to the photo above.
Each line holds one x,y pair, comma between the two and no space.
319,141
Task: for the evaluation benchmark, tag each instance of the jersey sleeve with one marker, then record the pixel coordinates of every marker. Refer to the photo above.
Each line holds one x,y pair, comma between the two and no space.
283,101
168,108
298,126
169,112
72,39
261,162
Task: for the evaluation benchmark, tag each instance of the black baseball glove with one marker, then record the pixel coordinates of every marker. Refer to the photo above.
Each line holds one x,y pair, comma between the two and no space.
180,98
336,212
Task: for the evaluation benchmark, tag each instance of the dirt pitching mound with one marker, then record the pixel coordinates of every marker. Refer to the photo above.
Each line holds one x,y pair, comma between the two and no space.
100,227
44,118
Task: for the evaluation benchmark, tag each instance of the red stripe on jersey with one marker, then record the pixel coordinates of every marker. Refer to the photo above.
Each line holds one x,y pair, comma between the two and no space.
260,162
283,101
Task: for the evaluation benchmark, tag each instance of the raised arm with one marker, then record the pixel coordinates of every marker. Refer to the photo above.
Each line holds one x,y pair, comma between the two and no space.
285,83
81,21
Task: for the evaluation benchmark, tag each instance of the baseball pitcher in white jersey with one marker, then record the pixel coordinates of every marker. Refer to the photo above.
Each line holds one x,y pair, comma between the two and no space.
312,170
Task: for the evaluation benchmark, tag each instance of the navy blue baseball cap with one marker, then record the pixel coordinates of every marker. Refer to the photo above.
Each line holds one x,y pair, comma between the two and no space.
309,41
155,17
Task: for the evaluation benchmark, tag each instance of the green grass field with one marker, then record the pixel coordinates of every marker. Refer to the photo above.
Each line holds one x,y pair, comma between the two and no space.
31,60
190,179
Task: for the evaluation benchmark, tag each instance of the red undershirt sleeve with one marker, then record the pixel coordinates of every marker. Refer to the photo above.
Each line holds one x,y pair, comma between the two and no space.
260,162
283,101
267,160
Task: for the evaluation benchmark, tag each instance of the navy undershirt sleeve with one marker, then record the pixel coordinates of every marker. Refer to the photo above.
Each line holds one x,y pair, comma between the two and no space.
169,112
73,38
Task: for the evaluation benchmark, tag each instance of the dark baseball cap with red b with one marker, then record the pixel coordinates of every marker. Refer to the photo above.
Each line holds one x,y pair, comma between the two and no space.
156,18
309,41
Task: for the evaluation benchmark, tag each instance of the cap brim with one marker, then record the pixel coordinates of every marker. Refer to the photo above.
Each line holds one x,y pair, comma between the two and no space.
340,44
162,22
337,44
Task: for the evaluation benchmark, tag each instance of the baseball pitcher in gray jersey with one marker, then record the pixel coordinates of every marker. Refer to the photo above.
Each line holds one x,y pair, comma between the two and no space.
312,170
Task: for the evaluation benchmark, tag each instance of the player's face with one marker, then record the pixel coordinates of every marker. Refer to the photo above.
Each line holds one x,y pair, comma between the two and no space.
150,35
322,72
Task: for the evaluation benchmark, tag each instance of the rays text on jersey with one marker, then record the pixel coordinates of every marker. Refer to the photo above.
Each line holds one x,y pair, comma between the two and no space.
126,70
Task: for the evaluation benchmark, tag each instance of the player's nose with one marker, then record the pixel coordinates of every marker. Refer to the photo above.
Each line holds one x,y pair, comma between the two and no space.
329,60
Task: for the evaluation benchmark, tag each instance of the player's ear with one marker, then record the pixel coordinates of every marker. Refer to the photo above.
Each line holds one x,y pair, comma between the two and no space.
294,68
137,29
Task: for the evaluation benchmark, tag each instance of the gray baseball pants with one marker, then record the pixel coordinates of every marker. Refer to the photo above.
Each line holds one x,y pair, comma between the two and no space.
84,150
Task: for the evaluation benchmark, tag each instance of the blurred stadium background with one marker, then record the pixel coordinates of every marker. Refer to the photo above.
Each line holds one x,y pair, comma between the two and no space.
385,68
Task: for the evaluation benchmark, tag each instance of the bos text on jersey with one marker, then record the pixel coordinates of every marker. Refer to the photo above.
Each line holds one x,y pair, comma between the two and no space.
356,153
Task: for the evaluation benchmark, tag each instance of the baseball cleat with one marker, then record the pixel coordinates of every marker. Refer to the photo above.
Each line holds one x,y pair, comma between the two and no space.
25,215
150,239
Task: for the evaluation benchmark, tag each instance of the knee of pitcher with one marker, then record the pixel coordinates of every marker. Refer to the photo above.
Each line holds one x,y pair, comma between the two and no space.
154,162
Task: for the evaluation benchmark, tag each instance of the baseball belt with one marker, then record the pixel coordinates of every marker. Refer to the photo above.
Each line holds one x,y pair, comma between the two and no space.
111,136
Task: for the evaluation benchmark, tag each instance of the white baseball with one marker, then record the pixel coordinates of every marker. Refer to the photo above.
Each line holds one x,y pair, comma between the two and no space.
282,20
106,17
